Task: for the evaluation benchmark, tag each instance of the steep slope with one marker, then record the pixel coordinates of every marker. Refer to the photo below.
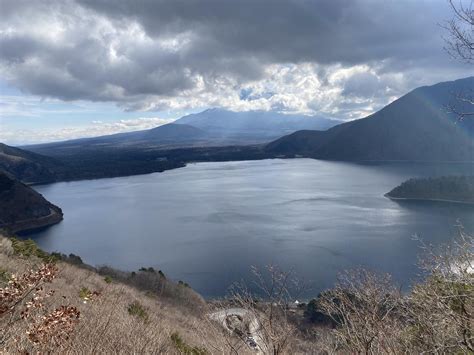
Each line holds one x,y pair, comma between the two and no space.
256,124
27,166
22,208
415,127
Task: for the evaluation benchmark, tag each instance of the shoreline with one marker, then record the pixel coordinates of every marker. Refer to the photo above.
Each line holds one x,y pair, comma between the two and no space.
428,199
29,225
183,163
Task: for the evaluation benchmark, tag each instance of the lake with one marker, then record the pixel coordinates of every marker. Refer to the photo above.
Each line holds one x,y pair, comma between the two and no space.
208,223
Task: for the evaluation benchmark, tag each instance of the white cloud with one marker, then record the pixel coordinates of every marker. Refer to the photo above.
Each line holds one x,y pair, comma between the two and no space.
342,59
308,88
164,55
95,128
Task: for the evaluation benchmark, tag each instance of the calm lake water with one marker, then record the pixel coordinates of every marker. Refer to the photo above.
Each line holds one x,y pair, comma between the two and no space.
207,223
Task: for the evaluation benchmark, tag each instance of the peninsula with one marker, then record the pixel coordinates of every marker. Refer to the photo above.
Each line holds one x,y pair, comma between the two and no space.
457,189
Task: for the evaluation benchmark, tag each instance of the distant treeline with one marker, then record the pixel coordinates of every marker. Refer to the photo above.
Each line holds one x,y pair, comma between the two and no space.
451,188
99,163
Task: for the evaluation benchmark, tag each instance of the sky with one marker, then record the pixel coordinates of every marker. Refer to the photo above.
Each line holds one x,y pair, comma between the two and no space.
77,68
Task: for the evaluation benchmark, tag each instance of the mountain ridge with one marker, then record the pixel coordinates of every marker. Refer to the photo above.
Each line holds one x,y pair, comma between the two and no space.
252,123
411,128
212,127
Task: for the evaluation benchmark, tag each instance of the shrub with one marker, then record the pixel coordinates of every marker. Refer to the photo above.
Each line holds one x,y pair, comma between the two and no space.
137,310
436,317
55,327
108,279
365,307
4,276
84,293
185,284
156,283
315,314
184,348
74,259
23,299
20,287
28,248
441,309
87,295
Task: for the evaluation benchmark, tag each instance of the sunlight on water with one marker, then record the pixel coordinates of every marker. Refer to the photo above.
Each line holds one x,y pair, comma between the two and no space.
206,224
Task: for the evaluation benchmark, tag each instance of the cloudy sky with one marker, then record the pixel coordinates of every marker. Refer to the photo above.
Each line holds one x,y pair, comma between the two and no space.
72,68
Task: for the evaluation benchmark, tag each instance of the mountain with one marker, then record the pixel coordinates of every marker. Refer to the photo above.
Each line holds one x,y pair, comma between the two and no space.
167,133
27,166
22,208
256,125
214,127
416,127
162,136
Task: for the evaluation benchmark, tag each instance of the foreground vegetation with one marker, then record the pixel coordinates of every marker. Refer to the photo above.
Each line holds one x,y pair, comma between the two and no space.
54,303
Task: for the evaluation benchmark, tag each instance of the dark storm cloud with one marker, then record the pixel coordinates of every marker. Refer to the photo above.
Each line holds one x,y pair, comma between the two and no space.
325,31
137,53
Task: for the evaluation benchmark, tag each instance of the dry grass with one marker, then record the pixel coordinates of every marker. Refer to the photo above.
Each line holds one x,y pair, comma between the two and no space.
86,312
68,309
106,325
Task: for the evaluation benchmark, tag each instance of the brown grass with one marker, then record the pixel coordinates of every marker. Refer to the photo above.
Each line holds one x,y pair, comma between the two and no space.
82,311
67,308
105,324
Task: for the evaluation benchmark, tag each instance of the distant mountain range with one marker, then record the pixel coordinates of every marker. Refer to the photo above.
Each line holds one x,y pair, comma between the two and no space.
213,127
416,127
256,125
162,136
